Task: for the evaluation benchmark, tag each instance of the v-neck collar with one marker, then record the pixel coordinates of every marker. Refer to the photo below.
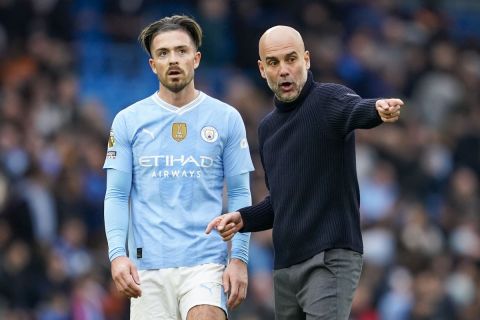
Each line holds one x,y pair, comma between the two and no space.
179,110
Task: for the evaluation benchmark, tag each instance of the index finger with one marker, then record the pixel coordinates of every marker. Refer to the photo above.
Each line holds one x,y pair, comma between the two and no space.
395,102
212,224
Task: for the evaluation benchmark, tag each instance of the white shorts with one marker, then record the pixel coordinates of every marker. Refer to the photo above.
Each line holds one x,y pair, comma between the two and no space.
168,294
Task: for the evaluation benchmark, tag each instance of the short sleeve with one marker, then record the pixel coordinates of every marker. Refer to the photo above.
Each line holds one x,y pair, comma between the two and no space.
119,149
236,155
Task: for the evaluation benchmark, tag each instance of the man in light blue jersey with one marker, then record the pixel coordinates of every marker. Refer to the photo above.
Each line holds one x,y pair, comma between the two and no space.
167,159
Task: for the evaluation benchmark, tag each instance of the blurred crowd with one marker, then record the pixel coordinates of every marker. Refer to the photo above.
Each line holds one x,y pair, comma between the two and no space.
67,66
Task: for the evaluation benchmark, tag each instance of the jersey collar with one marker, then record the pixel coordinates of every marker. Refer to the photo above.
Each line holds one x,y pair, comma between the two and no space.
179,110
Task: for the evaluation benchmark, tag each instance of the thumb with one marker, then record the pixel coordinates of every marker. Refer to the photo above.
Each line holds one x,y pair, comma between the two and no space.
134,273
223,221
221,225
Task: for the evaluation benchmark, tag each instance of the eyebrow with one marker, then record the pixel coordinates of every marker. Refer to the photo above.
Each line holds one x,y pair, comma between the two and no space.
293,53
174,48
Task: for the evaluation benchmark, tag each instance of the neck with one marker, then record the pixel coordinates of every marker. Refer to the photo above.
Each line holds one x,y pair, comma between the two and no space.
178,99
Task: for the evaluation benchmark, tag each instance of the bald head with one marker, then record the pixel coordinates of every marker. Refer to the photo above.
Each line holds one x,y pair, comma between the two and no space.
279,37
283,62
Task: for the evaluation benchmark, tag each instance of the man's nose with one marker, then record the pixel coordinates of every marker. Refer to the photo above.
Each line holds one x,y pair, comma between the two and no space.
284,71
173,59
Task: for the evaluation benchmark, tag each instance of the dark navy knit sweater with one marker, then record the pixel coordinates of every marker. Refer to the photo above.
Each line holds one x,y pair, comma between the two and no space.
307,149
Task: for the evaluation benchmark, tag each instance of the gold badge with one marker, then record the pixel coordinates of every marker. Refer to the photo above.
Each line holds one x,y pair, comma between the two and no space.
111,140
179,131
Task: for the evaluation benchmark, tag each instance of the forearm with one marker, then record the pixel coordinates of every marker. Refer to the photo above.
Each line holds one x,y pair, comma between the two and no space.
116,211
347,111
364,115
238,190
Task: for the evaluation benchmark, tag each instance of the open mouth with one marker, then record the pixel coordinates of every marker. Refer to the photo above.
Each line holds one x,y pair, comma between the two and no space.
174,72
286,86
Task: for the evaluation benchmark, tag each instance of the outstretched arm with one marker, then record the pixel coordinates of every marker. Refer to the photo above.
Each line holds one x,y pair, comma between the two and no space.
348,111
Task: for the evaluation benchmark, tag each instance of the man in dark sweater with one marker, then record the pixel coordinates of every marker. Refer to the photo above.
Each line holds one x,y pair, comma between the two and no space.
307,148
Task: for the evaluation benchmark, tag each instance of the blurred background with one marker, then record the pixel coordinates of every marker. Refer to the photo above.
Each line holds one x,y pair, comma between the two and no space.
68,66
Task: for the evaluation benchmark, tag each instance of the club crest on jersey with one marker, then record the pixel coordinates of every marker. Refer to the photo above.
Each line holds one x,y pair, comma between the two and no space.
179,131
111,140
209,134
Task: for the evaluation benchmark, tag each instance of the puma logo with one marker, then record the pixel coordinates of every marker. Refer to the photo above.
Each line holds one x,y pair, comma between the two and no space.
150,133
209,287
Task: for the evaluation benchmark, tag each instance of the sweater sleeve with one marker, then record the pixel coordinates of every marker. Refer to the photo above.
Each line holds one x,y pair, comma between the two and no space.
258,217
347,111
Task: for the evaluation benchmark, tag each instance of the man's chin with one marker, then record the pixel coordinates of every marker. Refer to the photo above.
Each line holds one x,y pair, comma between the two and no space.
175,87
287,98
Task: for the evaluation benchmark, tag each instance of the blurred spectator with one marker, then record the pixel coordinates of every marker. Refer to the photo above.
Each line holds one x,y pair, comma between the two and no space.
20,277
87,299
71,247
396,303
56,307
439,91
430,299
379,192
217,46
41,205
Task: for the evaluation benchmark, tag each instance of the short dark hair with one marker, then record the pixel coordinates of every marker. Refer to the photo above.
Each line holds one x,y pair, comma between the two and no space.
176,22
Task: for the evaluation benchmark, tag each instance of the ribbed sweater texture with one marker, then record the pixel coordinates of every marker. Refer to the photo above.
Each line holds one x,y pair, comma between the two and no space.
307,149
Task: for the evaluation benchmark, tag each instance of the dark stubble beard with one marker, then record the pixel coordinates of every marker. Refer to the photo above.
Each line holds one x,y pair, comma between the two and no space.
275,87
277,91
178,86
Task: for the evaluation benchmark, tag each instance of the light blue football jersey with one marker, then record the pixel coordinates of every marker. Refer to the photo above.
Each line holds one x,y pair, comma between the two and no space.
178,158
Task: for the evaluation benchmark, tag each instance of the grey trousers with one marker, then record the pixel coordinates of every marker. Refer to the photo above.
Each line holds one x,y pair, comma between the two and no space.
320,288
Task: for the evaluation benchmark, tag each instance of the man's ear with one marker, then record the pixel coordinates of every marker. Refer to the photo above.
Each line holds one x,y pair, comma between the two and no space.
261,68
306,57
152,65
196,59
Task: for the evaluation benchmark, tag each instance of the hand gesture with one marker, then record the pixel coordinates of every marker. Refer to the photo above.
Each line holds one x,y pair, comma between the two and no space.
227,225
389,109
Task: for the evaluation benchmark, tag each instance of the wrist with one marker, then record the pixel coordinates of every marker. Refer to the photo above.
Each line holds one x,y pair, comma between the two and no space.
239,220
238,260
